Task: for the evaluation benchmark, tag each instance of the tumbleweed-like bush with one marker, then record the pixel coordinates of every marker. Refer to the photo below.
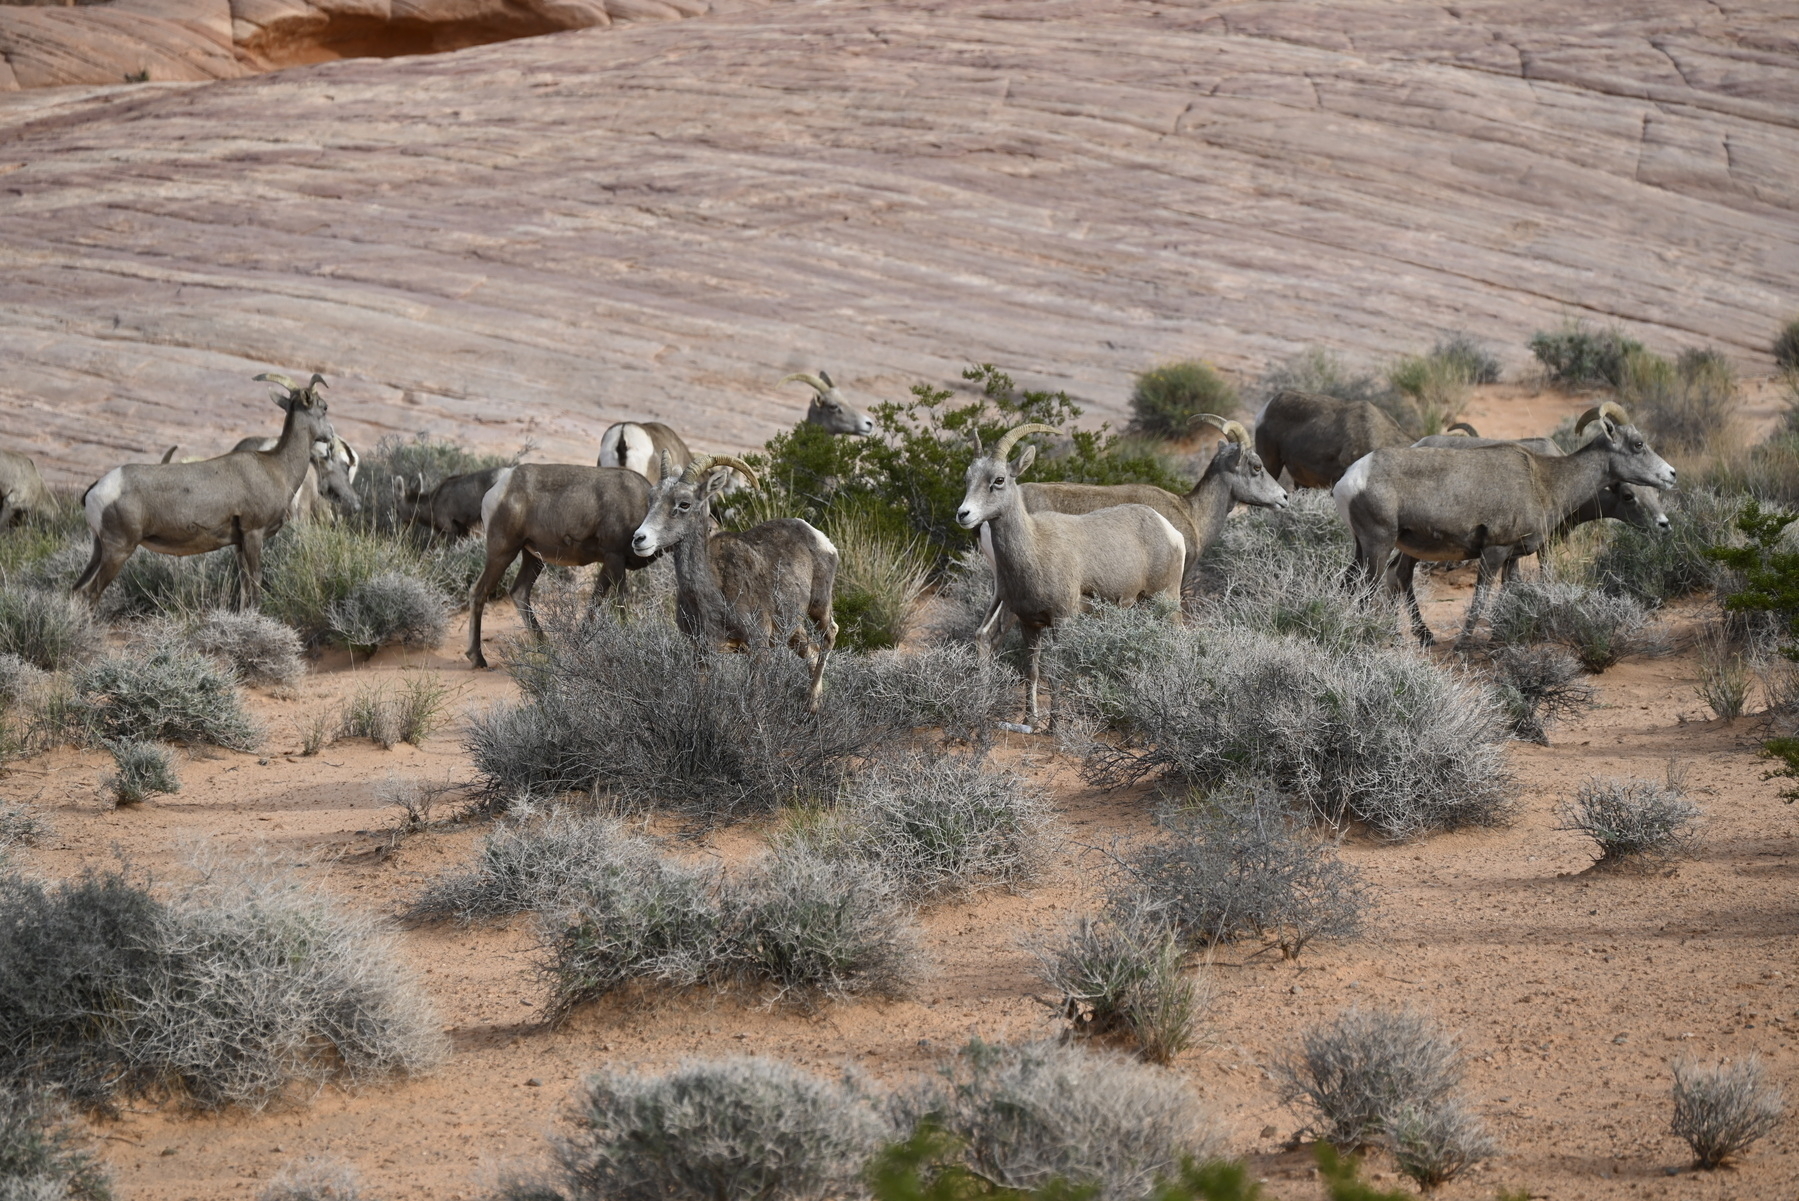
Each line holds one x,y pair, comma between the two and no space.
1359,1072
732,1128
1597,627
1433,1144
260,649
1721,1111
1235,865
43,1156
49,630
1538,685
235,989
310,1179
143,770
1632,821
164,694
1031,1113
1381,736
390,609
1123,977
542,866
937,825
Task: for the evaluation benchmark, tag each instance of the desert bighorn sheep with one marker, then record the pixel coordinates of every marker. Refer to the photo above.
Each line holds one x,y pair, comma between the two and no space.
556,513
190,508
829,408
1485,502
452,508
330,480
1316,438
743,590
640,447
1046,563
22,490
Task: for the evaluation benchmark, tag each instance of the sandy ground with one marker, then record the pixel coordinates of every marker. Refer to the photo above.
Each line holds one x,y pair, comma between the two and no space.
1573,990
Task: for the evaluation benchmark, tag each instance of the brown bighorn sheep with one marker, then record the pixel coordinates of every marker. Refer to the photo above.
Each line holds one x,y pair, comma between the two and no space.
330,480
640,447
22,490
452,508
1632,504
556,513
190,508
830,409
1046,563
1316,438
1485,502
745,590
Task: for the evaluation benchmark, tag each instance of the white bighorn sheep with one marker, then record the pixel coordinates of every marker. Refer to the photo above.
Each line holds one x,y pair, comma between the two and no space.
556,513
330,480
452,508
1046,563
1485,502
746,590
639,447
830,409
1316,438
22,491
190,508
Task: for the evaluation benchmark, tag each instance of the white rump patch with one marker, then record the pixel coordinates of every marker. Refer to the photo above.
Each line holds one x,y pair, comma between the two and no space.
491,500
100,497
824,543
1352,485
1175,538
628,445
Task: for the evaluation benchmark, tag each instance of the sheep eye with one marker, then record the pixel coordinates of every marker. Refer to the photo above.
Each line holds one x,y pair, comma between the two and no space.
682,506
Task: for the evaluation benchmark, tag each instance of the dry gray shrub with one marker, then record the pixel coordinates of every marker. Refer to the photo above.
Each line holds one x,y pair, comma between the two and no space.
1124,977
165,694
1433,1144
1598,628
42,1151
1633,821
1357,1073
1236,865
1721,1111
711,1130
938,825
1538,685
18,680
949,688
634,711
1031,1113
960,604
314,1179
240,987
260,649
19,825
1723,674
49,630
390,609
143,770
1381,736
544,866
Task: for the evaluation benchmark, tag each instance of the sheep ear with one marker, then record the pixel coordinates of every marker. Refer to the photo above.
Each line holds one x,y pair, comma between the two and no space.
1229,454
282,402
715,482
1026,457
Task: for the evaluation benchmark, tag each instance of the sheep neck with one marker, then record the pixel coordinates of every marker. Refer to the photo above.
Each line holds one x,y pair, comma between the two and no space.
1014,535
1569,481
700,598
1210,503
292,452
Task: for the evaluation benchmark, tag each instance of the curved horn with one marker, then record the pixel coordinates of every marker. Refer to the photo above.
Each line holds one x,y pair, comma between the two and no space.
169,454
275,377
1462,427
699,465
1610,409
737,465
1232,430
317,381
665,467
819,386
1007,440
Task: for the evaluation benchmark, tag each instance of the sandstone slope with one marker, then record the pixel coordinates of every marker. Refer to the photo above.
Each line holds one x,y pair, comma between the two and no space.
531,239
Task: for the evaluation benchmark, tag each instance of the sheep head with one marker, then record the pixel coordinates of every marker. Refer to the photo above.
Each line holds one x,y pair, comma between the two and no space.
992,480
829,408
1630,458
681,501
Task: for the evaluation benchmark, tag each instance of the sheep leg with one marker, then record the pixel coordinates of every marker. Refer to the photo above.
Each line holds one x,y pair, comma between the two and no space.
103,567
1033,646
1407,565
609,581
249,569
497,563
1492,562
529,568
986,636
818,608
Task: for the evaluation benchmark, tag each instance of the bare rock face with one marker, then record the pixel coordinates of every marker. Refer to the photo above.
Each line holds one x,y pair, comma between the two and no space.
44,45
532,239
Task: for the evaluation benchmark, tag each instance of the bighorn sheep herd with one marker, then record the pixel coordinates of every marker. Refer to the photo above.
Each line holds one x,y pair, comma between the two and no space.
1054,547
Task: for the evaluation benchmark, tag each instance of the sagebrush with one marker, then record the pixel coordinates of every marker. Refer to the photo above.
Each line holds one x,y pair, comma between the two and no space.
164,694
49,630
143,770
1599,629
1632,820
260,649
1724,1109
1123,976
1357,1073
1168,401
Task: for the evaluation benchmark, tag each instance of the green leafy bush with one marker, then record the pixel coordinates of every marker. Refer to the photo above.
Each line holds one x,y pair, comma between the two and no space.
1577,356
1685,405
1167,401
1317,370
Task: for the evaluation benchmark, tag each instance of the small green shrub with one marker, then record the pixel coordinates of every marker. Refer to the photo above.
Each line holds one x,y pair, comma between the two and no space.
1685,405
1721,1111
880,578
164,695
1123,977
1168,401
1786,346
1436,390
42,1152
1318,370
259,649
48,630
731,1128
1723,675
1027,1115
1657,566
1576,356
144,769
1598,628
1632,821
313,570
1475,362
929,1166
